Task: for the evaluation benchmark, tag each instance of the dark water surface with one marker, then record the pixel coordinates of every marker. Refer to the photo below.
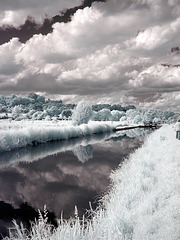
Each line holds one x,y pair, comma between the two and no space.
77,173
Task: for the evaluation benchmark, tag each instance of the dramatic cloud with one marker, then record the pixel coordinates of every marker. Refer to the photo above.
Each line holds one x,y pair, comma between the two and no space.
15,12
161,101
116,51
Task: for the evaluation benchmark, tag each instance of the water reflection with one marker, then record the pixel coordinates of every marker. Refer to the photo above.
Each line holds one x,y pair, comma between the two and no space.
33,153
54,177
80,146
83,153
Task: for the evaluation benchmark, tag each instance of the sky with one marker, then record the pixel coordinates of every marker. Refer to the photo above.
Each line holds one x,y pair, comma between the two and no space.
108,51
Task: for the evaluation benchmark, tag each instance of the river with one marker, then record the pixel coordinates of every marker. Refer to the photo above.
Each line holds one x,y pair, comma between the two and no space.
60,175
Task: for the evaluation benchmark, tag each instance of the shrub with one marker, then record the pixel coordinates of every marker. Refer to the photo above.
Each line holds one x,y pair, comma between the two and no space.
82,113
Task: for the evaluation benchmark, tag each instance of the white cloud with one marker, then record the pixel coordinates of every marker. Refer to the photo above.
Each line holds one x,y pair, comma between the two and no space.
159,37
165,102
158,78
16,12
100,54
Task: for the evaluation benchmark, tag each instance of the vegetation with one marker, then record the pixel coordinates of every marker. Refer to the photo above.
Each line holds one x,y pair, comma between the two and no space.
38,108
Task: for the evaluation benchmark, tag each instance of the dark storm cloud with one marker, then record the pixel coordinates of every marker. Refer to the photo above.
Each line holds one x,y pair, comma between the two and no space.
16,12
30,26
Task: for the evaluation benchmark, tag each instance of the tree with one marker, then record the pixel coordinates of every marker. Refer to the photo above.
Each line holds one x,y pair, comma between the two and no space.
104,115
66,113
83,153
82,113
16,111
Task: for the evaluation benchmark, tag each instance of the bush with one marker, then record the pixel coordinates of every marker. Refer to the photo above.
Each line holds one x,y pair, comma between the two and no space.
82,113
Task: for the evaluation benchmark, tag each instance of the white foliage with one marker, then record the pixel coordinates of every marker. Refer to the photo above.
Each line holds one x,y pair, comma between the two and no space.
37,108
82,113
83,153
16,111
13,135
82,147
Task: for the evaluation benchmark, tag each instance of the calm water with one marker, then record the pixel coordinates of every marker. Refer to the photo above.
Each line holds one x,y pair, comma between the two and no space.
77,173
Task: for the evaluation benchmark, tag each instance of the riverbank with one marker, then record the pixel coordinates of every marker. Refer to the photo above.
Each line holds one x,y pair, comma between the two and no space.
14,135
142,203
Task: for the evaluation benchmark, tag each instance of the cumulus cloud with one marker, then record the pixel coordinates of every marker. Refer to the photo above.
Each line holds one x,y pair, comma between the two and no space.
108,51
162,79
164,101
16,12
159,37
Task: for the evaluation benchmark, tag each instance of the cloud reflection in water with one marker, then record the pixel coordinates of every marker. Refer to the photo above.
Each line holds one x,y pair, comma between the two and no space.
54,177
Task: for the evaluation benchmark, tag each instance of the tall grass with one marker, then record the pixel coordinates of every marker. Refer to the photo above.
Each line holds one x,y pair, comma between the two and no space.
33,133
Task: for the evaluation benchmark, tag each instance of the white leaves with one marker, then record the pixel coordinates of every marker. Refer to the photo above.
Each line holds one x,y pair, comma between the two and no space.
82,113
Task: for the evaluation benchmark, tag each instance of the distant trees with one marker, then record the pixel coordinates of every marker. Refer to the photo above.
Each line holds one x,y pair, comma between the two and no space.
66,114
30,107
118,107
38,108
137,119
3,109
116,115
102,115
